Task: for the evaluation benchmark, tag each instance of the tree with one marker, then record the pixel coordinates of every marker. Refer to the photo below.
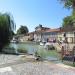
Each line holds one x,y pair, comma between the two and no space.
22,30
7,25
67,21
70,4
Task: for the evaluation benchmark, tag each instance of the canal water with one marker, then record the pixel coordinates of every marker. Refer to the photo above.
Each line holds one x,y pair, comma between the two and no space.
32,48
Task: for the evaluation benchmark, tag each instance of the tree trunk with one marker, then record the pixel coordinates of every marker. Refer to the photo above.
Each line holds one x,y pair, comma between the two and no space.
73,6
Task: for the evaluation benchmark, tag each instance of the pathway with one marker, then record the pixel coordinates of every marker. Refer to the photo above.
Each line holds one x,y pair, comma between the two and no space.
19,66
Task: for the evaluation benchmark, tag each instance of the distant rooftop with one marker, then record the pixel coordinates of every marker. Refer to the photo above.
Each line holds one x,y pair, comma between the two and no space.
40,27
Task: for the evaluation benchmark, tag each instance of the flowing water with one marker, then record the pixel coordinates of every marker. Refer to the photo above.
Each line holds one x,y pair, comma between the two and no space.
32,48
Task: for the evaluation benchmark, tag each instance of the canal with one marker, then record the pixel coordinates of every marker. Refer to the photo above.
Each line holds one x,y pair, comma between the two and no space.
32,48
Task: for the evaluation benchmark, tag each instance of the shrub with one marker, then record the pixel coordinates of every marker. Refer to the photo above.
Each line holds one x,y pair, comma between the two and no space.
10,48
41,53
50,47
21,50
7,26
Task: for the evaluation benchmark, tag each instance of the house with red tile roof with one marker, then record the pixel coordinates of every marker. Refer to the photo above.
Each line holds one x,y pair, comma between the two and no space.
69,33
47,34
39,30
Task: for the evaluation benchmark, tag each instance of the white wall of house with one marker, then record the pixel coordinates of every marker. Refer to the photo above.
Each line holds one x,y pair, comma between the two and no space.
60,36
49,35
55,35
37,37
23,38
45,36
70,36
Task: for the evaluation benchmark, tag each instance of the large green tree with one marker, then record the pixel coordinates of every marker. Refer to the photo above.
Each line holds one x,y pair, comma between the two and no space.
69,4
7,25
22,30
67,21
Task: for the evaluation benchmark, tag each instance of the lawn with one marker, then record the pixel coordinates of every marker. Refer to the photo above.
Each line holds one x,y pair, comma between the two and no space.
47,53
52,53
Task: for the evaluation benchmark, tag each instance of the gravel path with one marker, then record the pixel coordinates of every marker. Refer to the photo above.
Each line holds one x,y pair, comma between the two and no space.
5,58
41,68
17,66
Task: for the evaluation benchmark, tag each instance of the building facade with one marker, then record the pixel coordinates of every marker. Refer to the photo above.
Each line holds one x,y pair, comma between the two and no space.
46,34
69,33
39,30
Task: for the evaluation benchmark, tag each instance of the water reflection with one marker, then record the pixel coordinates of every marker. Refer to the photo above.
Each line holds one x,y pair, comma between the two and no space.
15,46
30,47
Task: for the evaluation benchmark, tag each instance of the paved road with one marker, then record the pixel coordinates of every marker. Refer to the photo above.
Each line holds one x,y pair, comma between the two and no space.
19,66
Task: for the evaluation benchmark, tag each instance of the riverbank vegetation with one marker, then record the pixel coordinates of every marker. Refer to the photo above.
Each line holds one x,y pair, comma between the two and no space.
69,20
7,26
22,50
22,30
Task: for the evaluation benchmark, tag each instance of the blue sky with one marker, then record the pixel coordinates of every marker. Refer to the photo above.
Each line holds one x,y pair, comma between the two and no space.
31,13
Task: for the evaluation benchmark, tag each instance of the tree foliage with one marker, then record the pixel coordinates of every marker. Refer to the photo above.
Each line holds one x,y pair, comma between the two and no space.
7,25
68,3
22,30
67,21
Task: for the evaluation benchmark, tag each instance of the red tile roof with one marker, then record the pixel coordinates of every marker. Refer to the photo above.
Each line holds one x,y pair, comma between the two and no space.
48,30
54,30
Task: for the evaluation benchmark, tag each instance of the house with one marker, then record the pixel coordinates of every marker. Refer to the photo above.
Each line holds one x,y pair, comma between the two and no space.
40,27
47,34
31,36
44,33
69,33
50,35
57,34
21,37
38,32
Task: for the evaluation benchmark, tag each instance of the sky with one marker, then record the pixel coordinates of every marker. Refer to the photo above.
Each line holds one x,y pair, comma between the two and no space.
31,13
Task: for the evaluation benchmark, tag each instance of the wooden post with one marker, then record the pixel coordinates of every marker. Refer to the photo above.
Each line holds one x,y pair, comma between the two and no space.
62,53
73,54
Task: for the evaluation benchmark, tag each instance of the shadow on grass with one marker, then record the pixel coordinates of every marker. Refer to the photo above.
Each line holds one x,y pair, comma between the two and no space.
69,63
9,53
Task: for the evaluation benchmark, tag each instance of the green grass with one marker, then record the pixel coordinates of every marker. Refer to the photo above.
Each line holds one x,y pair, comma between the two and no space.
41,53
47,53
69,63
22,50
52,53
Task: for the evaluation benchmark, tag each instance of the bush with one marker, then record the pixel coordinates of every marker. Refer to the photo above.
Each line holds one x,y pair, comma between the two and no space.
7,26
21,50
10,48
41,54
50,47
